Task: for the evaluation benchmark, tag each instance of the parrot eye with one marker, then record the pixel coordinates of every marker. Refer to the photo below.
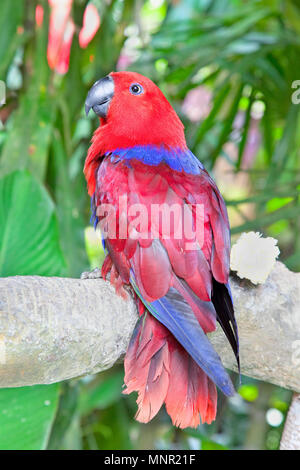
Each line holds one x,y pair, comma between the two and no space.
136,89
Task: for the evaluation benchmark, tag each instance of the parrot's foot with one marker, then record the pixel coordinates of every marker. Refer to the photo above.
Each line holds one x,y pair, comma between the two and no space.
95,274
121,289
113,277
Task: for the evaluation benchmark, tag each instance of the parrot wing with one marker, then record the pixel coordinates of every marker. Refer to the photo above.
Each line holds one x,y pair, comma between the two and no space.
185,289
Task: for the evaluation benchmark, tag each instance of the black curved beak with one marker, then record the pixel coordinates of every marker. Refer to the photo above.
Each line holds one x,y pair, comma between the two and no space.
99,96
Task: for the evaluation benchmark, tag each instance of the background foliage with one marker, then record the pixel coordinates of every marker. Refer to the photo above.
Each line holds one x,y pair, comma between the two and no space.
227,66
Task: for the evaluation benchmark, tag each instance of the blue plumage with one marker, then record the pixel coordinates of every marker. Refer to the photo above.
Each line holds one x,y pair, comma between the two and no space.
94,217
177,159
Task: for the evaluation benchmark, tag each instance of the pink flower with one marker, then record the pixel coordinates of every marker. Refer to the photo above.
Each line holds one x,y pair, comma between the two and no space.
91,24
61,31
57,40
39,15
62,65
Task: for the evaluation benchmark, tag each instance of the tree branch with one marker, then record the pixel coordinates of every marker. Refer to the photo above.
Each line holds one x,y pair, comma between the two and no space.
290,439
53,329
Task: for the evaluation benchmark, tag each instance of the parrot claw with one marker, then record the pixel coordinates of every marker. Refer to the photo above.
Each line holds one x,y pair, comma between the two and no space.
95,274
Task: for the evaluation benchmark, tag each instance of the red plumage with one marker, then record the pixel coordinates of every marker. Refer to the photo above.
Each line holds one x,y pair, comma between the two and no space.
156,365
167,374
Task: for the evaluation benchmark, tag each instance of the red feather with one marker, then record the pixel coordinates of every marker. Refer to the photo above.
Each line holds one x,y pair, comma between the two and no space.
161,371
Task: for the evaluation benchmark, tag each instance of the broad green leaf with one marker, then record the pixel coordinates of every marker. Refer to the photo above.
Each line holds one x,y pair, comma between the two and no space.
29,241
26,416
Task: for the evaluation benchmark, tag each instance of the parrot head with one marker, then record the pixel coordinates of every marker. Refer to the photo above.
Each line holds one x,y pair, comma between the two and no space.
133,111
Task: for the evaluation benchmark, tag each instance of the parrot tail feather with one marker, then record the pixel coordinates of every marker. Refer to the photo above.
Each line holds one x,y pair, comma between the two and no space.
161,371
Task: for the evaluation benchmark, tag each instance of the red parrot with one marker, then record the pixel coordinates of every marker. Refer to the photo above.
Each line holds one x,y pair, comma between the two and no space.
139,159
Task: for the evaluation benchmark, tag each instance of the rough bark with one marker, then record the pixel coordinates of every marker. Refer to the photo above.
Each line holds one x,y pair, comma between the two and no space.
53,329
290,439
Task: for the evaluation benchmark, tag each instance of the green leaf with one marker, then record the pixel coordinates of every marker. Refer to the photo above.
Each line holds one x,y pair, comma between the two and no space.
210,120
245,131
65,414
277,202
285,146
27,143
293,262
71,222
113,430
26,416
288,212
28,140
227,128
29,241
103,395
11,17
263,197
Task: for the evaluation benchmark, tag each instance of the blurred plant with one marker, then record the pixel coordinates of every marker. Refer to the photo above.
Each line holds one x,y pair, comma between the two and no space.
197,103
